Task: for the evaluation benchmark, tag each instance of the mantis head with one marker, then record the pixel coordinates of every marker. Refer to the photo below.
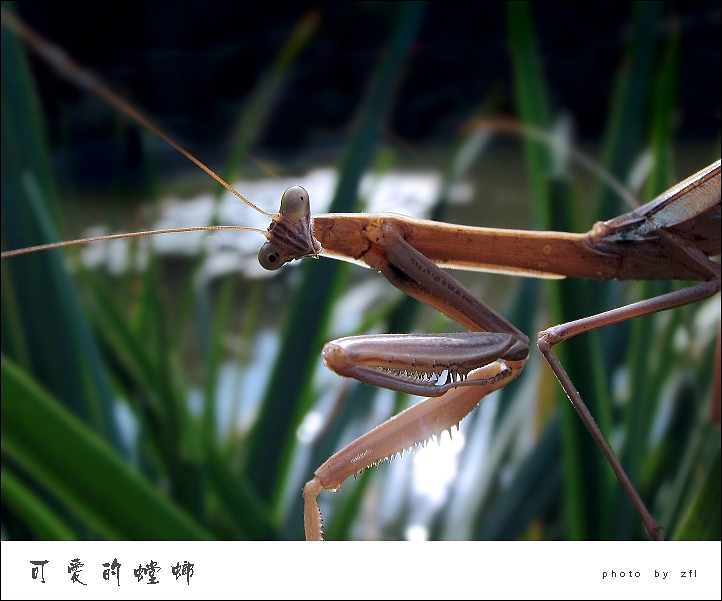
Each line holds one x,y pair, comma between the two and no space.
290,235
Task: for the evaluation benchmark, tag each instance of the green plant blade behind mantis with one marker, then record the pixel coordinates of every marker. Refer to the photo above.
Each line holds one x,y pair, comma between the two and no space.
81,470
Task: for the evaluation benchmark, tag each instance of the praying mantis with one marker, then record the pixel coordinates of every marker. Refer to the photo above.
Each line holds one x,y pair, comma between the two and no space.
324,228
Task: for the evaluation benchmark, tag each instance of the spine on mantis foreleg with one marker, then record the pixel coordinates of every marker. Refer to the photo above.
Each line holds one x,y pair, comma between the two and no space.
402,432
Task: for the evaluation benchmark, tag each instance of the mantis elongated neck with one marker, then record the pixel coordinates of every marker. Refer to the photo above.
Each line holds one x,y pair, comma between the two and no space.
519,252
545,254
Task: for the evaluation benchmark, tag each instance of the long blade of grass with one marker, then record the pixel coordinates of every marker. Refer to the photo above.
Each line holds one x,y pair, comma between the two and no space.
81,470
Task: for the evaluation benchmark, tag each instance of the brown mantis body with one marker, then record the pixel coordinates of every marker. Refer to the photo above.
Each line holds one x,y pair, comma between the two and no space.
633,246
673,248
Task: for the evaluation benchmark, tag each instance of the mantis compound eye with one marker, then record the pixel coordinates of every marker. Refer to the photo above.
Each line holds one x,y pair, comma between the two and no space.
295,203
270,258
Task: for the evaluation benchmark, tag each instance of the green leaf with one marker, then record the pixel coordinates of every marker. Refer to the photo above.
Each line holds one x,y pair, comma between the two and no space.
81,470
702,520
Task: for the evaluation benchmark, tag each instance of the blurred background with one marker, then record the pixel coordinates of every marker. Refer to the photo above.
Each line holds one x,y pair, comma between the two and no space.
168,389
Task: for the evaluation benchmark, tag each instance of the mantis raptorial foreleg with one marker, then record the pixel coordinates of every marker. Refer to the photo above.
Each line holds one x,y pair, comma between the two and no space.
495,350
429,418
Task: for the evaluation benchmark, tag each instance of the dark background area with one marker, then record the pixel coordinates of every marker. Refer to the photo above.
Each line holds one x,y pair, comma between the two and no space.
191,65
